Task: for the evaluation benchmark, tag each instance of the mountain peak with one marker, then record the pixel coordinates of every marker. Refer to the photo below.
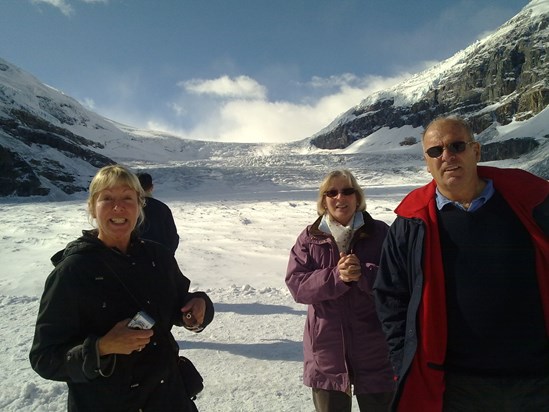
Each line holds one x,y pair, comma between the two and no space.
496,80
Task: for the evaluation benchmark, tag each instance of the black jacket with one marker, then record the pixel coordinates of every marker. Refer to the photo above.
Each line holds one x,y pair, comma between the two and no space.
93,287
159,224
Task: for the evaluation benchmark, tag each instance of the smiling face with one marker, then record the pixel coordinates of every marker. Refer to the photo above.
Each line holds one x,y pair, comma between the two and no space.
116,210
455,173
341,207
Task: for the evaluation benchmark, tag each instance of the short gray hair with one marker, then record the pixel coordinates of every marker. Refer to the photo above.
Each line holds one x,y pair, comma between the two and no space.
464,124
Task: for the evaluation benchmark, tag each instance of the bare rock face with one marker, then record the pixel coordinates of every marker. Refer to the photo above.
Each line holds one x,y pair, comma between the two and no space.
509,149
17,177
23,170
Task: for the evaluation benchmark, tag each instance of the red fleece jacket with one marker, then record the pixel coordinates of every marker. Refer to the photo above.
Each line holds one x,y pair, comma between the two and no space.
424,385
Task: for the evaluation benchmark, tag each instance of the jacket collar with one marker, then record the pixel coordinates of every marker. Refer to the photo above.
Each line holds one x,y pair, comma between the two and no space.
516,184
366,228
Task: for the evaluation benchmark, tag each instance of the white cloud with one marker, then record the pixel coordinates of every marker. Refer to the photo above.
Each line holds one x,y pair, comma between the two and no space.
239,87
89,103
341,80
62,5
238,110
178,109
237,118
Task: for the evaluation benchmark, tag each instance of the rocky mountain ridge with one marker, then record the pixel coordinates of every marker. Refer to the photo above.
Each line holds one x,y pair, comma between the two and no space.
502,78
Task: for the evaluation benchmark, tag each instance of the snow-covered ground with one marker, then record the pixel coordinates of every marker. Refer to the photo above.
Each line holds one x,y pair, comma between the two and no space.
237,218
238,213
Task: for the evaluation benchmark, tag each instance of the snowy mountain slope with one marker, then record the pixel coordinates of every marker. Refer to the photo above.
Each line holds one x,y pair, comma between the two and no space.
46,130
496,81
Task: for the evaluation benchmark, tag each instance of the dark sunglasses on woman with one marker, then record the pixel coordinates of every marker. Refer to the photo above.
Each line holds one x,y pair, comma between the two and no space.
345,192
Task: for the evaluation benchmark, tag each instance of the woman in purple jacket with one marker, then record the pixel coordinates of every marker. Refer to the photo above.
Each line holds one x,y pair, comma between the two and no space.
332,268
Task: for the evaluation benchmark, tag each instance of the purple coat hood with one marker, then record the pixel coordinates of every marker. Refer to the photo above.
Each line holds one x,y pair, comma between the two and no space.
343,335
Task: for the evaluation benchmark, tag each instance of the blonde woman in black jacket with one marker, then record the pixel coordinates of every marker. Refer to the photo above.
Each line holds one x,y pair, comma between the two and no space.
100,281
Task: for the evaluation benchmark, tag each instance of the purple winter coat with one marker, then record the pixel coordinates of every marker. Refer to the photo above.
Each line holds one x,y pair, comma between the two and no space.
343,342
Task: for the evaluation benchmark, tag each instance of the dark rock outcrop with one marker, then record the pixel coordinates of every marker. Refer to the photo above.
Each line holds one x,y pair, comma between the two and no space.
22,171
508,149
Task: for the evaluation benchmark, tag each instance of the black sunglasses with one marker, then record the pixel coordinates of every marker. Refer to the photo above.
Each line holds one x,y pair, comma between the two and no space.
455,147
345,192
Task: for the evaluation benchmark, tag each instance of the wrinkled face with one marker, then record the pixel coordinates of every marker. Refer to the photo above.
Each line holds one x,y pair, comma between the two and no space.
341,207
453,172
116,211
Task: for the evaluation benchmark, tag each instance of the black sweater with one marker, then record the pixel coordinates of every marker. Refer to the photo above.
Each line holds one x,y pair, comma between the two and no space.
495,318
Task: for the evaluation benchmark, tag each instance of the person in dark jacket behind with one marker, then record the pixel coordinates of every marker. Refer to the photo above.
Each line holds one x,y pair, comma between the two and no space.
463,285
332,268
158,224
100,281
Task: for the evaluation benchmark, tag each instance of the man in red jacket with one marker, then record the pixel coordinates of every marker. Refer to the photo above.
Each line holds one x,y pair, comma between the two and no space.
463,286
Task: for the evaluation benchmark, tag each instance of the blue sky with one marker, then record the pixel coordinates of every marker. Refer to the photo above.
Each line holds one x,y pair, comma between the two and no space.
236,70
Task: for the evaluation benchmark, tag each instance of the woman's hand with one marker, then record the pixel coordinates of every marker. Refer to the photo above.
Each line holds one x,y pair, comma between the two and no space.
123,340
193,314
349,268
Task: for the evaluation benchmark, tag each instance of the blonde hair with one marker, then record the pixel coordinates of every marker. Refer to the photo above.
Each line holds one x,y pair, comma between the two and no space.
115,175
327,181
